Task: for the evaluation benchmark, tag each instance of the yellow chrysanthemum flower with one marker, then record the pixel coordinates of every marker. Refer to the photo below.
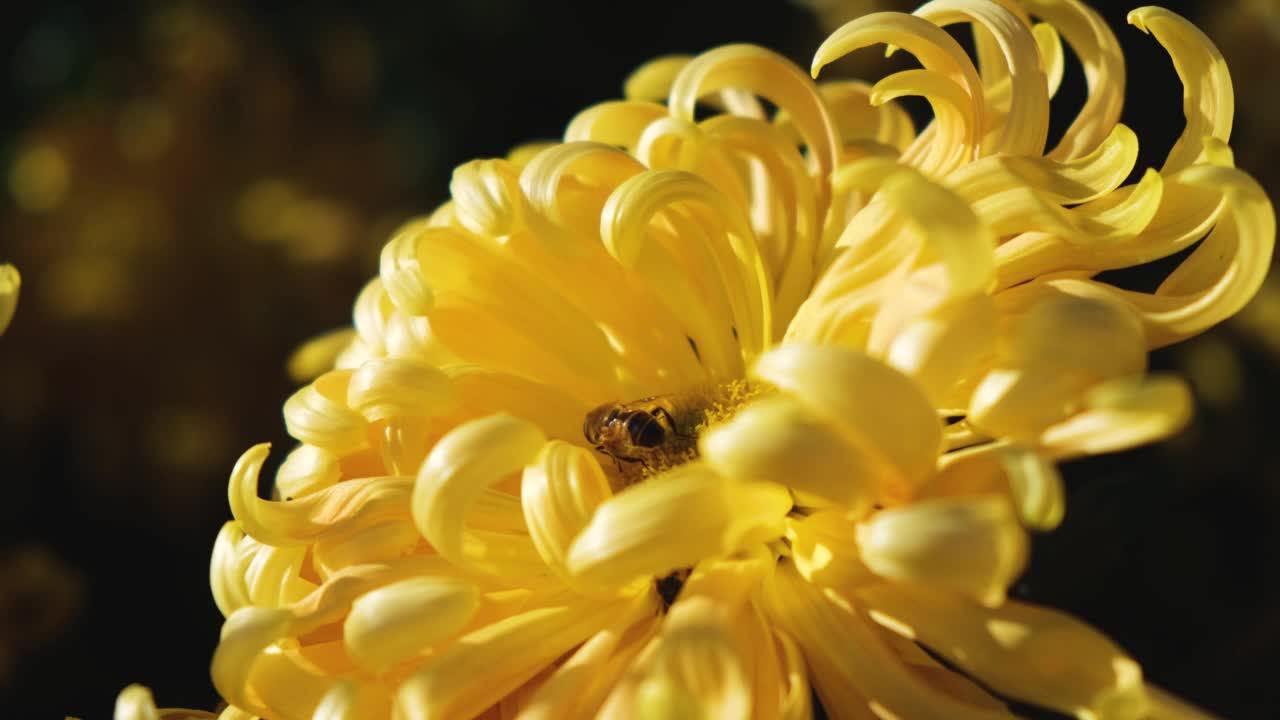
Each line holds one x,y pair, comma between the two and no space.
683,416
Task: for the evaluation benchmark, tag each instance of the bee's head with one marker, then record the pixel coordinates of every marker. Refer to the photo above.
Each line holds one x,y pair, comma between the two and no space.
597,420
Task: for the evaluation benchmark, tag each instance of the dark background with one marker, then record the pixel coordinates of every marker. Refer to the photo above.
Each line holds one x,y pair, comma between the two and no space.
193,189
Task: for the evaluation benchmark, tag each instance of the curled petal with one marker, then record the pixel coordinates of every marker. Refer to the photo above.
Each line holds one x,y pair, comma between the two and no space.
755,69
1121,414
401,271
1075,181
1027,124
397,388
951,229
246,634
877,409
397,621
467,461
742,275
935,49
560,491
597,165
776,440
673,521
1218,279
373,307
1207,98
653,80
951,144
318,415
306,470
226,575
10,282
1054,60
378,543
343,506
486,196
973,546
1099,51
1018,650
619,122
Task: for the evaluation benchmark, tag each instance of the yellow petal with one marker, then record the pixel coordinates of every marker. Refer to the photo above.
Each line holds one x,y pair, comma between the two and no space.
560,491
1210,285
379,543
653,80
387,388
344,506
1099,52
396,621
971,545
776,440
1058,350
618,122
482,392
136,703
672,521
1054,60
401,270
245,635
952,141
943,347
825,550
1019,650
856,673
1207,99
879,411
305,470
471,458
1121,414
565,226
741,271
487,197
768,74
697,671
1026,475
226,577
579,686
488,311
485,665
1027,124
1087,177
350,700
318,415
10,282
934,48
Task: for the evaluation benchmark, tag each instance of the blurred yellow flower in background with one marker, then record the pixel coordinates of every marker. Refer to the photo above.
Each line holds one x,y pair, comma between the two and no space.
757,390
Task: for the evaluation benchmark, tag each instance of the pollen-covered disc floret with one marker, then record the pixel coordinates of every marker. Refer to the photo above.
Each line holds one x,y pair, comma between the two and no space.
923,307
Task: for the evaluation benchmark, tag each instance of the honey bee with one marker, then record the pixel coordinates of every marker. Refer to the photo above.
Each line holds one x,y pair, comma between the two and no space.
647,434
